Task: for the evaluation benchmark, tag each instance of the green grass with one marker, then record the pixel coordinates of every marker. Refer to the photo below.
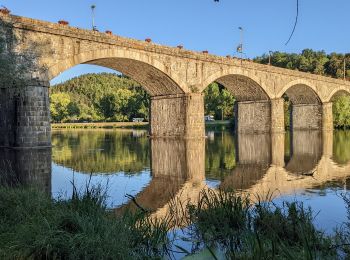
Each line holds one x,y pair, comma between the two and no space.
33,226
245,230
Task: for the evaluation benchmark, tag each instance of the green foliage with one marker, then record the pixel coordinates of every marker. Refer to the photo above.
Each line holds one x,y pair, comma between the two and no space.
246,230
99,97
341,147
220,155
114,151
59,106
218,102
33,226
317,62
341,112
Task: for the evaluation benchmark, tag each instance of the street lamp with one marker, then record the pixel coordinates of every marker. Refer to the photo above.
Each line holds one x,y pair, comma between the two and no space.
270,52
93,17
240,46
344,68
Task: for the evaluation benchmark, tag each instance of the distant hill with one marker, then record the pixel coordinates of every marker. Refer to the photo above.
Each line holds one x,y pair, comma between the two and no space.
98,97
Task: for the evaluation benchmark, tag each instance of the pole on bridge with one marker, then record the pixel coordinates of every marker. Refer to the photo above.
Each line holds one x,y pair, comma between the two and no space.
93,16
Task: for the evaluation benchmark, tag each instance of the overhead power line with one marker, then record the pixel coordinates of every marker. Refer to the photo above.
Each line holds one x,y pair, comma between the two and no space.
295,24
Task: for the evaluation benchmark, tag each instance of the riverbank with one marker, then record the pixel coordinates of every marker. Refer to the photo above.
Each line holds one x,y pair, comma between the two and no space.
103,125
35,226
212,125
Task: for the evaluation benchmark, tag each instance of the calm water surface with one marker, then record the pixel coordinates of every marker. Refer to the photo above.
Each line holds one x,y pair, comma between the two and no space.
313,167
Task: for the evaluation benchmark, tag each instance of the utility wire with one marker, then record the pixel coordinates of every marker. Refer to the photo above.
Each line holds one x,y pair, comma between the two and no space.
295,24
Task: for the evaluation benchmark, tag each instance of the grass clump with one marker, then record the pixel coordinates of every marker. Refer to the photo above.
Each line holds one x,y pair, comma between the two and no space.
33,226
243,230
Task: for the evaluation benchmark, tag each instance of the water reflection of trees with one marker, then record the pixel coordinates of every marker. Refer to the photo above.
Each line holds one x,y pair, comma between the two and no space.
219,154
341,147
101,151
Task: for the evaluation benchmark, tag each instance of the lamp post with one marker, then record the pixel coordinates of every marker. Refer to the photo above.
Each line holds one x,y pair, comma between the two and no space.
344,68
93,16
270,52
240,46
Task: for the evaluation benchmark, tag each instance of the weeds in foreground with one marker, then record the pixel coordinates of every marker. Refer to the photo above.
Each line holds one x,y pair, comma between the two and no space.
33,226
243,230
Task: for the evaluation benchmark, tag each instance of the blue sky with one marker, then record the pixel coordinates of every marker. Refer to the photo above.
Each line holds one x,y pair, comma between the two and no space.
204,24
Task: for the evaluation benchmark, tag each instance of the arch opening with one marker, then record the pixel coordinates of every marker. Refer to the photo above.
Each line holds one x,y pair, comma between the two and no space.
241,99
243,88
87,93
152,77
302,94
302,108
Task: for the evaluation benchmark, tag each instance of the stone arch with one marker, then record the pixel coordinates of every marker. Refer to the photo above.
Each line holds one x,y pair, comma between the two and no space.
152,74
306,105
301,92
252,107
243,85
336,92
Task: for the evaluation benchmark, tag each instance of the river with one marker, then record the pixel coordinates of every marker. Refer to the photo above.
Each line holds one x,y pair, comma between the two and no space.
312,167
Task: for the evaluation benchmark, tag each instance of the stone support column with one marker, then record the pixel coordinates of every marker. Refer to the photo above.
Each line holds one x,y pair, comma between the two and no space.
277,115
327,116
253,117
177,116
25,116
306,117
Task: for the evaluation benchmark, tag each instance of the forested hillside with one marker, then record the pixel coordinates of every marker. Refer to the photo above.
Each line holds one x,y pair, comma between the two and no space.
98,97
112,97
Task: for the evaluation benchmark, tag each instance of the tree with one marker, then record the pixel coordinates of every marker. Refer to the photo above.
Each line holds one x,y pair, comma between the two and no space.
59,106
341,111
218,101
108,105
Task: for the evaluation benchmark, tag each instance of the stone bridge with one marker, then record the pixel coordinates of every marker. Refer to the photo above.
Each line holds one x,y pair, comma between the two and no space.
174,77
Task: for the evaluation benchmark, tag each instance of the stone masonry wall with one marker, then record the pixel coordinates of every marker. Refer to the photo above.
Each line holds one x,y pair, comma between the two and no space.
33,117
25,117
253,117
177,116
327,116
306,117
7,117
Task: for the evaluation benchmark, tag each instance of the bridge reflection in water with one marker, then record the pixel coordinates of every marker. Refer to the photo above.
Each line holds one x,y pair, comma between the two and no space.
181,168
279,164
26,167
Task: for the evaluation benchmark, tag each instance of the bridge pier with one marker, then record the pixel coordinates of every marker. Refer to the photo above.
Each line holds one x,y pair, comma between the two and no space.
306,117
327,116
177,116
252,117
277,115
25,116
